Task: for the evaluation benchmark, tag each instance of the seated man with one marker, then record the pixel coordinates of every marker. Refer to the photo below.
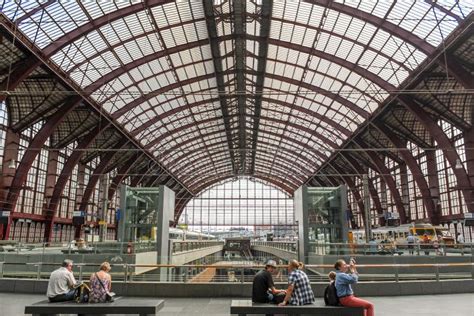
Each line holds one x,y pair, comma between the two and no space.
61,283
263,289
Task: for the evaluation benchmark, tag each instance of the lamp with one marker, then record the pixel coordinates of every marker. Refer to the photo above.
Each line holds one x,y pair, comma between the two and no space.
12,164
458,164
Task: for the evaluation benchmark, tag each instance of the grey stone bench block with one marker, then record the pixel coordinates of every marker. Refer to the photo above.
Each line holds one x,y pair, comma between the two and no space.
121,305
244,307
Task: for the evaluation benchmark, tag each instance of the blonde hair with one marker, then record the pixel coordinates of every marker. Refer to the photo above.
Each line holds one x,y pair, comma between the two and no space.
300,265
294,264
105,266
332,275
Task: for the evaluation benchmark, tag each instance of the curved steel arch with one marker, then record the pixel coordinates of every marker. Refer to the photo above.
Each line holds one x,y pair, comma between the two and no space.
101,21
163,136
388,27
415,169
281,171
32,151
290,140
190,161
209,181
199,103
388,178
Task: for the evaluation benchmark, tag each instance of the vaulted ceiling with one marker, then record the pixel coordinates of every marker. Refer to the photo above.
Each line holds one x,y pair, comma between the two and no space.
209,90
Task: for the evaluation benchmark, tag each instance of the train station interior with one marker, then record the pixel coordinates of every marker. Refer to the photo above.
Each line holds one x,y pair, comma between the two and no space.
187,143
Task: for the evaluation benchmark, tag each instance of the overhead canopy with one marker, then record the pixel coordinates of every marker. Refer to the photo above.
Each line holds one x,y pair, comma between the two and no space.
217,89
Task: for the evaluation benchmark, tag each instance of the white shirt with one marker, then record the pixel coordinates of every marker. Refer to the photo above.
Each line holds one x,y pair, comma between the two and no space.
460,239
60,282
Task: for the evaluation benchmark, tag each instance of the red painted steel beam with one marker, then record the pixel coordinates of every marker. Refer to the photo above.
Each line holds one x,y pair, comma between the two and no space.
385,25
122,174
81,31
388,178
445,144
189,156
34,149
104,161
355,166
414,167
194,174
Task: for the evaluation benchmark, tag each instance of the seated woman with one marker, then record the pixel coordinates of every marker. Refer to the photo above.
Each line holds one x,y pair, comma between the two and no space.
346,274
100,284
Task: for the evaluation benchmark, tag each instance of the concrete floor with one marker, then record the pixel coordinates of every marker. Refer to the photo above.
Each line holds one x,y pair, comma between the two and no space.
432,305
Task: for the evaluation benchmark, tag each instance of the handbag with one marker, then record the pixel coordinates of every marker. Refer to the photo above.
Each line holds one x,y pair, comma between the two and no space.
109,296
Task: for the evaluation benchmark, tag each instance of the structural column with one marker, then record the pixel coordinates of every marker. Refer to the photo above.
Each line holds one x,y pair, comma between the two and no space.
9,165
433,183
405,191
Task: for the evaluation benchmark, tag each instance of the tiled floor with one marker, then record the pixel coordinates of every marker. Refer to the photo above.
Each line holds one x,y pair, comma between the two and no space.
432,305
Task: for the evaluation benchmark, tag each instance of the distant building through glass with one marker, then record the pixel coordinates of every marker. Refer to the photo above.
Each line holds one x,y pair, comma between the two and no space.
241,207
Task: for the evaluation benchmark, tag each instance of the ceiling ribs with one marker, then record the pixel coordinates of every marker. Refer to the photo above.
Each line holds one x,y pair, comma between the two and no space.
217,60
265,22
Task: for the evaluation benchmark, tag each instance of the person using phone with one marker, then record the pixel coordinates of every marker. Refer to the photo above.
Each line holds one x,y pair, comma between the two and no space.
346,274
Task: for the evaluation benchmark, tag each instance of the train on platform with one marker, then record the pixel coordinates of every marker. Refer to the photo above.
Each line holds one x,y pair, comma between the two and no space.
400,233
183,235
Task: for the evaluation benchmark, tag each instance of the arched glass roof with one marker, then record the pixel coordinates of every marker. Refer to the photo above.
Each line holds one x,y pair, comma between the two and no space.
216,89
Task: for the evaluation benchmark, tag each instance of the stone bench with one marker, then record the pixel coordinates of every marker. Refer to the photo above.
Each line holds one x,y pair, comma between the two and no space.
121,305
244,307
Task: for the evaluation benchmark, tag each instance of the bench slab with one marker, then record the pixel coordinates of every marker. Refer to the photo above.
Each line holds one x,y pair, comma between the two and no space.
121,305
244,307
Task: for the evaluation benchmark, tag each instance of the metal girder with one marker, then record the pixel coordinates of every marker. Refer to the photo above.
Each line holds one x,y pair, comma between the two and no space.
290,141
265,22
350,183
219,75
104,161
414,167
20,71
209,181
445,145
33,11
122,174
175,110
239,10
372,190
71,162
282,168
388,178
128,40
86,28
444,10
209,120
385,25
34,149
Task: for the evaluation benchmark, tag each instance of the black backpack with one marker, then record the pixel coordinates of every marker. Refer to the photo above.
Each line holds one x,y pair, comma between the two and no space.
330,295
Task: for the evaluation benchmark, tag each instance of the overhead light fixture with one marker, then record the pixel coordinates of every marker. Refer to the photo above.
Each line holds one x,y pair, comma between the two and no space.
11,164
458,164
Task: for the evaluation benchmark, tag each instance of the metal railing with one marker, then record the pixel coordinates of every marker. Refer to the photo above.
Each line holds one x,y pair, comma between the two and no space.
323,248
114,247
243,272
181,246
289,246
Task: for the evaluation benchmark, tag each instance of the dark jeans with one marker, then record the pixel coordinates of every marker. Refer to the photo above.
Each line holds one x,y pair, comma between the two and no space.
69,296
